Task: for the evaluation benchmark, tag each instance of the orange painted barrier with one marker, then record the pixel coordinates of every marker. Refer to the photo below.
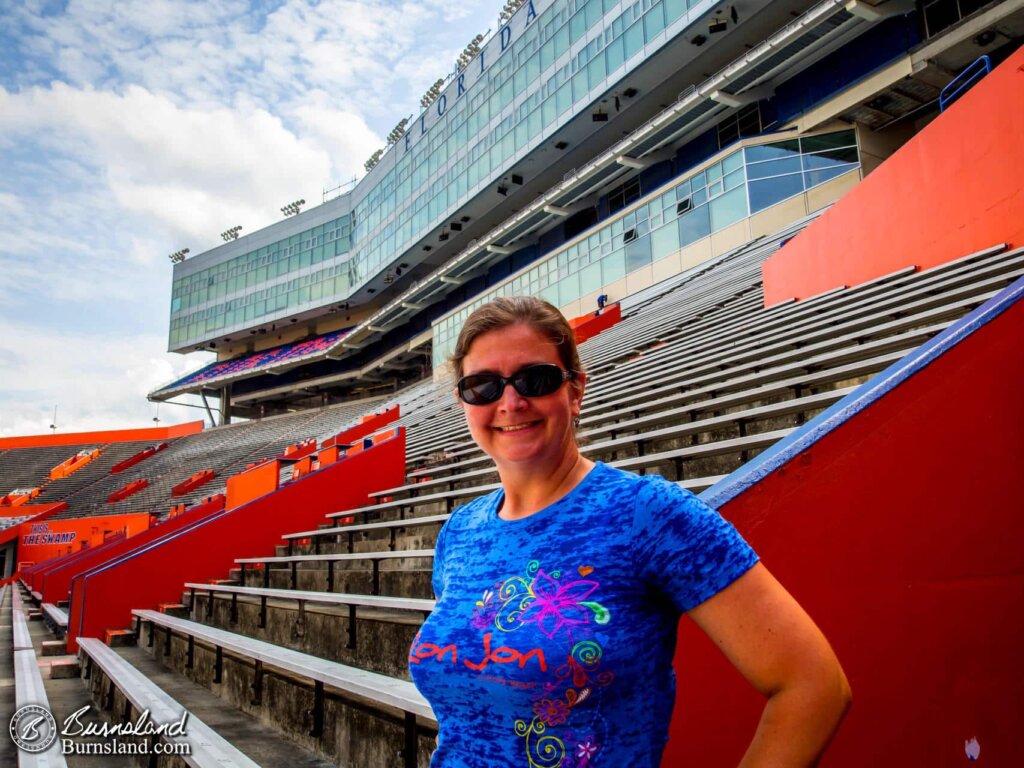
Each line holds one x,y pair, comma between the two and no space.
75,463
19,496
328,456
299,450
262,478
302,467
955,188
589,325
127,490
367,426
40,541
54,578
34,513
141,456
109,436
145,576
198,479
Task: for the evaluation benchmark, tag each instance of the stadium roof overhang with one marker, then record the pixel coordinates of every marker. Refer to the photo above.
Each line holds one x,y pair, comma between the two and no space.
817,32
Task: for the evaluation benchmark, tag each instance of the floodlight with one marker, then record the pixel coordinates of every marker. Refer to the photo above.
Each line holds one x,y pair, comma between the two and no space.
293,207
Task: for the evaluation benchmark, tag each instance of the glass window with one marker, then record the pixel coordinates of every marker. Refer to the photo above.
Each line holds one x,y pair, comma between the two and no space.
569,288
590,279
613,267
633,40
638,254
654,21
563,98
766,192
772,151
664,241
596,72
830,158
728,209
813,178
694,225
827,141
674,9
774,167
577,26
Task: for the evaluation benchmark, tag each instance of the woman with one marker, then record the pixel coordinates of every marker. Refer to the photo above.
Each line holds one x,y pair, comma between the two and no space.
559,594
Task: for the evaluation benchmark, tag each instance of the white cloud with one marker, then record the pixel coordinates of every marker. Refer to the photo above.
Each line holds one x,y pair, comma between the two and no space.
130,130
96,383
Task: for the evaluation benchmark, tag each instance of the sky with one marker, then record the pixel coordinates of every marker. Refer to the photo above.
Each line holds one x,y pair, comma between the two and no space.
132,128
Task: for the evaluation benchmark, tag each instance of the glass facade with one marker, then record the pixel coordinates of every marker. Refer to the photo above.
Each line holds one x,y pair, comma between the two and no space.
308,269
560,56
683,211
564,59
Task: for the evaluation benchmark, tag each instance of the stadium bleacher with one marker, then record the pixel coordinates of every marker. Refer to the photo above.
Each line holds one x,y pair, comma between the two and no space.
695,380
298,653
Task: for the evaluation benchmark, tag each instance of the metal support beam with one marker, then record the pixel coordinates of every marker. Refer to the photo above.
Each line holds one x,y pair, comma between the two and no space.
225,405
209,411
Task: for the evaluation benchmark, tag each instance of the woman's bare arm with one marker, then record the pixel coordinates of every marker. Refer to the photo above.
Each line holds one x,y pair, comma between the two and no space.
776,646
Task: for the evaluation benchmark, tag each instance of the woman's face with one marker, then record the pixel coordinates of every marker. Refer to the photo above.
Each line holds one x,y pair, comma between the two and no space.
517,431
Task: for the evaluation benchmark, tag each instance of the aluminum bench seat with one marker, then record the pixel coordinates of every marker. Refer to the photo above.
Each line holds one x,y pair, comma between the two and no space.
330,561
382,690
208,748
734,445
301,596
771,369
58,616
967,280
22,636
854,304
386,525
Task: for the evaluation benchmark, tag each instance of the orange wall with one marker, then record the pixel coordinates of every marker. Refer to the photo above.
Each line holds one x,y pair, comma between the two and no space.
41,541
253,483
955,188
109,436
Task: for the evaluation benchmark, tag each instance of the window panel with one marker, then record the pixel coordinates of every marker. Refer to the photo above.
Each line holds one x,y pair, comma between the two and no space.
813,178
654,21
774,168
633,40
767,192
694,225
664,241
728,209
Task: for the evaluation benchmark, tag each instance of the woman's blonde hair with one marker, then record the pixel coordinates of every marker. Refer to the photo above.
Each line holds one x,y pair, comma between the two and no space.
512,310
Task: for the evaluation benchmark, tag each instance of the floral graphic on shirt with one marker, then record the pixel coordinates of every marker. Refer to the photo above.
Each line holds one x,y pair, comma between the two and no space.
561,609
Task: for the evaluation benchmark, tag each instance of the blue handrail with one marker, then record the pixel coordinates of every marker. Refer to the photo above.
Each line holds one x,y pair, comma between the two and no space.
956,87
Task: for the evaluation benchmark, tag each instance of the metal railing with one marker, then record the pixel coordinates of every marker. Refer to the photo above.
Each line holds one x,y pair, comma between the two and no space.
962,82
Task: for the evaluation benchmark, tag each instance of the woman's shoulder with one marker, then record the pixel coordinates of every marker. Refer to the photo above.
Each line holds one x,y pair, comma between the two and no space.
473,513
624,486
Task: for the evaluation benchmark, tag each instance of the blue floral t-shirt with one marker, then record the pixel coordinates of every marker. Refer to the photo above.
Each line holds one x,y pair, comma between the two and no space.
552,640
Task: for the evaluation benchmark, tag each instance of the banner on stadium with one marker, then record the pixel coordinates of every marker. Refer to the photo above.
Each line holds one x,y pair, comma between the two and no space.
39,541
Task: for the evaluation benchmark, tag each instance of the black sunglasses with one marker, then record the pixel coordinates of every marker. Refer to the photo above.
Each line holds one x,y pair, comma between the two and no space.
532,381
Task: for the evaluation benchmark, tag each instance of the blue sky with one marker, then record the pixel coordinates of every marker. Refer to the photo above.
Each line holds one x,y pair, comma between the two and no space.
132,128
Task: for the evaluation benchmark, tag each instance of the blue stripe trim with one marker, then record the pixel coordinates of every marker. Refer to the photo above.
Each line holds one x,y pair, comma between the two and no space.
751,473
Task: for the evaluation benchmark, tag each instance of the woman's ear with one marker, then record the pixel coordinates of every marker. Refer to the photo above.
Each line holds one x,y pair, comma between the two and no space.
579,386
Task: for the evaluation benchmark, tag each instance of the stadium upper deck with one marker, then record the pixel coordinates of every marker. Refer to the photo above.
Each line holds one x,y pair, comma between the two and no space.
588,148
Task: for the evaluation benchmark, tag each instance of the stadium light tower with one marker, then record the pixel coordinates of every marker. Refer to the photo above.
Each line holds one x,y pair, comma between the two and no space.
292,208
178,256
231,234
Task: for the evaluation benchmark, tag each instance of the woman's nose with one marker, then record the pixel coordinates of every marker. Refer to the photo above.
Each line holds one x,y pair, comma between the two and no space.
511,400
